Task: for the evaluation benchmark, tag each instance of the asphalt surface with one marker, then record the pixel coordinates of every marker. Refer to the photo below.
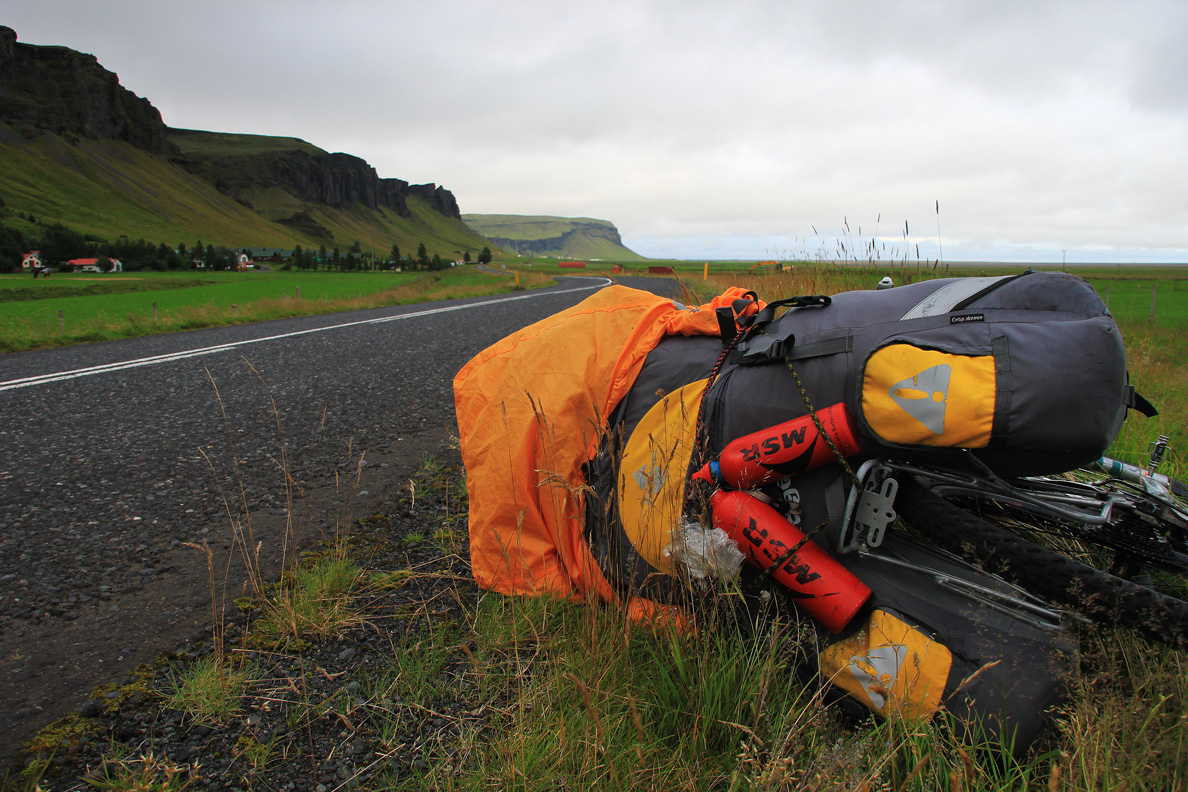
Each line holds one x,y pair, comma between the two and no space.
109,477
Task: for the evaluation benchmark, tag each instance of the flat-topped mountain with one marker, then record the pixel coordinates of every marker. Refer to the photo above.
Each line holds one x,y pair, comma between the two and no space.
565,237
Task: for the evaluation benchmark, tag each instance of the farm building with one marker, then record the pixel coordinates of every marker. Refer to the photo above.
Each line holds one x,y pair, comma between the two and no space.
92,265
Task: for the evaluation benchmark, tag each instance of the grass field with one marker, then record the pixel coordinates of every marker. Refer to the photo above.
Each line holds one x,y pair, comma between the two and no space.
103,307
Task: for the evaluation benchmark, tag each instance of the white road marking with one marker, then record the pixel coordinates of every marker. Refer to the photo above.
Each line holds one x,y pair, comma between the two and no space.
44,379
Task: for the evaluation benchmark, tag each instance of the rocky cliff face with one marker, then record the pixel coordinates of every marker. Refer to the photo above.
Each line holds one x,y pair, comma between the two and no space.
68,93
311,175
439,198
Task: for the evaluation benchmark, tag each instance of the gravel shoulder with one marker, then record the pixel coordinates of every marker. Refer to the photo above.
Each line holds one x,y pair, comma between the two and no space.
312,719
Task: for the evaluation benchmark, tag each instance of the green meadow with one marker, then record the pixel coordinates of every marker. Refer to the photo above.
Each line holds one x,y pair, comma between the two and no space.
77,308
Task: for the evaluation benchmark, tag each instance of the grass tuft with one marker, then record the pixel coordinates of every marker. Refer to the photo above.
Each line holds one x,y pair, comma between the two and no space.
312,602
144,774
210,690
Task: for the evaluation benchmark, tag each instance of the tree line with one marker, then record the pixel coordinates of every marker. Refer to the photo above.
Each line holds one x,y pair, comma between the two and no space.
56,244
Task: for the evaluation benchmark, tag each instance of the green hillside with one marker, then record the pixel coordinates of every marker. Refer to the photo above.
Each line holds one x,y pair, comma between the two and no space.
80,150
563,237
109,189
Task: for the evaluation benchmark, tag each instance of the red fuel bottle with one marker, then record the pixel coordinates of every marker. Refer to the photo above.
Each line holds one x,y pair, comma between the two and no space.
782,450
819,584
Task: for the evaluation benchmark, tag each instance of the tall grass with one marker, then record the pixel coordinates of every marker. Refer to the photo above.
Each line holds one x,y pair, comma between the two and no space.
585,698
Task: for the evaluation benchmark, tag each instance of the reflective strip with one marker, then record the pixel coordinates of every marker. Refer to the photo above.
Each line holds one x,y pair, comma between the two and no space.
947,297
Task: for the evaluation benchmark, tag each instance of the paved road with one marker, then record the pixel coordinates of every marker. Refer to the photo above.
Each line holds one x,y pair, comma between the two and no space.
114,456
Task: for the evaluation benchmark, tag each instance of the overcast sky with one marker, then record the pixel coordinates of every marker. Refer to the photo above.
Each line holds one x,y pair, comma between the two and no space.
748,129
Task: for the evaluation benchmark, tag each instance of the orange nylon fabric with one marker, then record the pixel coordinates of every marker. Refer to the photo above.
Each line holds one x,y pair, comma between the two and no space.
532,408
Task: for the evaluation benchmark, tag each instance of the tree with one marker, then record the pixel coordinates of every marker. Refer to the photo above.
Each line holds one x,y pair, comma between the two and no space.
212,260
167,258
60,244
422,257
12,248
485,256
395,254
466,257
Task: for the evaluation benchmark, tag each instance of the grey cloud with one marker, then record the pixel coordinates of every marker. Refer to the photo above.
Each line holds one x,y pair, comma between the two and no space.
689,122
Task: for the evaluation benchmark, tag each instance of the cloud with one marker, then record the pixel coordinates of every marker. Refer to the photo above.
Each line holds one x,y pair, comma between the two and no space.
697,126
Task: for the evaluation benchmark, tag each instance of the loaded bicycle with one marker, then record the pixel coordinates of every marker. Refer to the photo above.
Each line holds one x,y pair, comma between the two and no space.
1109,543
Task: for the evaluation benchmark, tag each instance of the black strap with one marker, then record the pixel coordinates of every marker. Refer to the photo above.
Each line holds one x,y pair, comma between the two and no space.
767,315
1003,391
828,346
727,327
762,346
1135,401
730,319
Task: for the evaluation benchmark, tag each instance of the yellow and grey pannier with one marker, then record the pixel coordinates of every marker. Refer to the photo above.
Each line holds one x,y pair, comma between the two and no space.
988,364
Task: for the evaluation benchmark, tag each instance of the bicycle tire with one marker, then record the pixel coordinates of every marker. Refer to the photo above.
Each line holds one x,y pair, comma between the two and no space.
1051,575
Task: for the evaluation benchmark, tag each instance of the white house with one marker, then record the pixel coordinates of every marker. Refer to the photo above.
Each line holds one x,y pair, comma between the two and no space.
32,260
92,265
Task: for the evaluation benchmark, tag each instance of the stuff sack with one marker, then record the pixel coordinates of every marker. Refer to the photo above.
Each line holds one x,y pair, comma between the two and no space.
1028,371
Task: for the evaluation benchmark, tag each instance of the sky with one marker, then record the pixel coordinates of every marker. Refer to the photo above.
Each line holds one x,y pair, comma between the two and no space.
1006,130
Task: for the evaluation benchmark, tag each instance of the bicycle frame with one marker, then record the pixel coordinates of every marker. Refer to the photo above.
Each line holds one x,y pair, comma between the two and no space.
869,506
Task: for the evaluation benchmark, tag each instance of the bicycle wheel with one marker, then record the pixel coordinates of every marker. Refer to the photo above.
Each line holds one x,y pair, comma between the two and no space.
1048,572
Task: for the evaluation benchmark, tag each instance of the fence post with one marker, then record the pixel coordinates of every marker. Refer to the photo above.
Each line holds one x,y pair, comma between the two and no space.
235,309
61,323
154,313
298,292
1151,318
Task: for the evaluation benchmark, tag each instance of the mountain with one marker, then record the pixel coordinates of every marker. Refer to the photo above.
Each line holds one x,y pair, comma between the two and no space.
564,237
78,148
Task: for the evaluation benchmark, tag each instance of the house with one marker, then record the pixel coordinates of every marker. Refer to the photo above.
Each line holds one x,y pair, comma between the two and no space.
92,265
31,260
275,255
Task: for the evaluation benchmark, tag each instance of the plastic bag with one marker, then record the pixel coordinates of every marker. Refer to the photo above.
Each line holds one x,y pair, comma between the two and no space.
706,551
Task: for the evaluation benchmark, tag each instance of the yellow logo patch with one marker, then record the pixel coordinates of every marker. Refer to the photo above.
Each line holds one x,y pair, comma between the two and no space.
891,667
919,396
653,470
